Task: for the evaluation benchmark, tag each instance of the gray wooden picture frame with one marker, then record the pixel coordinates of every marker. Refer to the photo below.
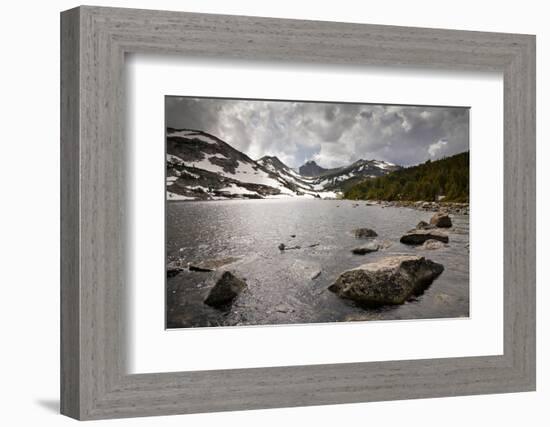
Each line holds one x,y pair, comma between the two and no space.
94,381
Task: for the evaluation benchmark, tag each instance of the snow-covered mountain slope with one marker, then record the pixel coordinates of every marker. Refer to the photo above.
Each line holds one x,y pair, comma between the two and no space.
335,179
200,166
293,180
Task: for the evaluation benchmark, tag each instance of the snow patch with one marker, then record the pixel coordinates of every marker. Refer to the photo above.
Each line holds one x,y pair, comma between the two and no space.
174,196
330,195
170,158
382,165
189,134
219,156
197,187
235,189
192,175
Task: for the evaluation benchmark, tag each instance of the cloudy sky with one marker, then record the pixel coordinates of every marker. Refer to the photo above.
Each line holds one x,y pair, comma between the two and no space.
332,134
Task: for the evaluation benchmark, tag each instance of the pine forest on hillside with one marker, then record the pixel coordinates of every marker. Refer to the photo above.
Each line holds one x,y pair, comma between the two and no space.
446,180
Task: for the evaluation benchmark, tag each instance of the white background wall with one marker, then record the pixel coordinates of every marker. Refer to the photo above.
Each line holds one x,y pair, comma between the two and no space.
29,233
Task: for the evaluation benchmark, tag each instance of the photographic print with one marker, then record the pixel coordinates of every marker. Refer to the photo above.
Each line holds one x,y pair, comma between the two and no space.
298,212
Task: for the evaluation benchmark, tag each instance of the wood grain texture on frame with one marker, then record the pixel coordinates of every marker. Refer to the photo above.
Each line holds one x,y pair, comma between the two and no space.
94,380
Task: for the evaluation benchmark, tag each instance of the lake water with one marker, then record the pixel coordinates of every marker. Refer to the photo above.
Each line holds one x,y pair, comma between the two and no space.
280,285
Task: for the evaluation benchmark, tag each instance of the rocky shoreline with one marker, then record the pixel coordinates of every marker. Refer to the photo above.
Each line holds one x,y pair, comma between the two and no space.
455,208
444,207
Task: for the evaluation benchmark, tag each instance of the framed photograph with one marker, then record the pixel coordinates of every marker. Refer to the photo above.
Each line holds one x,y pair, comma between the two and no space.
262,213
257,231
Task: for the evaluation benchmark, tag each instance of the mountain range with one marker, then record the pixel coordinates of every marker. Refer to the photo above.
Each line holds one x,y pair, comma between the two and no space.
201,166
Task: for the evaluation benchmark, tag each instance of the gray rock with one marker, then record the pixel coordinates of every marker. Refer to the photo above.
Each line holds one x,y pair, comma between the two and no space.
362,233
391,280
432,244
194,267
385,244
283,247
173,270
441,219
365,249
226,288
423,225
315,274
444,299
214,264
175,267
417,237
283,308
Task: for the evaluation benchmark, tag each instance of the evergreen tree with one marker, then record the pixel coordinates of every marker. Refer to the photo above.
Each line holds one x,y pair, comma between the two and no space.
448,177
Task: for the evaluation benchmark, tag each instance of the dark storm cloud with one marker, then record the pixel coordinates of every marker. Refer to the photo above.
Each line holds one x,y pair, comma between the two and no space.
332,134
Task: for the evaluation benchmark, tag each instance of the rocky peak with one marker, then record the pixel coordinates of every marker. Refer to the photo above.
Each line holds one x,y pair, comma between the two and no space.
311,168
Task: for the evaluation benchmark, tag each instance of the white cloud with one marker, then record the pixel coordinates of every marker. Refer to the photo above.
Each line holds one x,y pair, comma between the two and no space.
435,148
332,134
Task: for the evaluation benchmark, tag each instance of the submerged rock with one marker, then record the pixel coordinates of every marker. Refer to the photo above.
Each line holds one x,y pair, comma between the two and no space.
417,237
362,233
391,280
173,269
441,219
283,308
365,249
385,244
300,270
193,267
315,274
211,264
283,247
432,244
365,317
226,288
444,299
423,225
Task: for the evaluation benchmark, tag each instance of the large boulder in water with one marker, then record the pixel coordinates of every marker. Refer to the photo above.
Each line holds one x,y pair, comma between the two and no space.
226,288
366,249
365,233
441,219
417,237
391,280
